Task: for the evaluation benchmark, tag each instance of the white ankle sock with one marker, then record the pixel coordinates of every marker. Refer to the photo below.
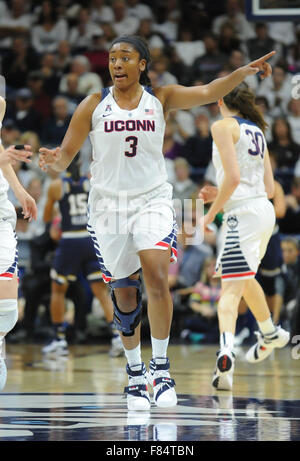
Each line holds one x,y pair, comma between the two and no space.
226,339
267,327
133,355
159,347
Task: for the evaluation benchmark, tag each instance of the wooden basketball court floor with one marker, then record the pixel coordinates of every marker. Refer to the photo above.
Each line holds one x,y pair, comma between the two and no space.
81,398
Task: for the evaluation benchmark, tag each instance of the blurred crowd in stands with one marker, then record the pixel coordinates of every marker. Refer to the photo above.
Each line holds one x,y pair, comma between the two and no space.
54,53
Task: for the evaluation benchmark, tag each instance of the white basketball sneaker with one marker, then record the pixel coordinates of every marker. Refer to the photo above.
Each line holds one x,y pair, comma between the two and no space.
266,343
3,374
161,382
223,375
138,398
56,346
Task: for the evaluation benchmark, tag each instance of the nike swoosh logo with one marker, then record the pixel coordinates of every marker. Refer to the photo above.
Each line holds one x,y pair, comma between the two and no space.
106,115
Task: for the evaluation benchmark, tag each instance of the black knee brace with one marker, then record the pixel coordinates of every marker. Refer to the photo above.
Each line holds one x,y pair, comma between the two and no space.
127,322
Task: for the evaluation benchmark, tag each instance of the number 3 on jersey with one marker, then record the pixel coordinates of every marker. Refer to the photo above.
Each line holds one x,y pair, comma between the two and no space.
133,140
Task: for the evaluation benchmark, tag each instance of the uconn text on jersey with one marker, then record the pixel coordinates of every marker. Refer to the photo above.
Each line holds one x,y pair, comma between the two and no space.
129,125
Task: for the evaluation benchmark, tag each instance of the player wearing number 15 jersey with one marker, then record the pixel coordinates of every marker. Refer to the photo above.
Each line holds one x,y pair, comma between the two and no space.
245,181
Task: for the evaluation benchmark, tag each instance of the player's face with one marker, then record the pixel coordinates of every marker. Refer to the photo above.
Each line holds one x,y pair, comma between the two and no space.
125,65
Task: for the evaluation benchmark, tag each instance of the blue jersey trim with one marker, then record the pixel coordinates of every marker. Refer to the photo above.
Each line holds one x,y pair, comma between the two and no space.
104,93
149,90
241,120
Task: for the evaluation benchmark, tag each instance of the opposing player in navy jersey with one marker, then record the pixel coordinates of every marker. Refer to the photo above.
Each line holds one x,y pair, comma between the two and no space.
8,238
131,210
245,182
75,253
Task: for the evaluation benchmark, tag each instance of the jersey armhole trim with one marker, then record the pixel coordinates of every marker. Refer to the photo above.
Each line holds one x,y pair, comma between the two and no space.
104,93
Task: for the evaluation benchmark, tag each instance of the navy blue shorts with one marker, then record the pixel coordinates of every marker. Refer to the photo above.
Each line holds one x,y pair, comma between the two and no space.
72,256
270,266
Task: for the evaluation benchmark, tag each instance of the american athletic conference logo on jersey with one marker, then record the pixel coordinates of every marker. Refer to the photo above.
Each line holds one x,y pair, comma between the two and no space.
232,222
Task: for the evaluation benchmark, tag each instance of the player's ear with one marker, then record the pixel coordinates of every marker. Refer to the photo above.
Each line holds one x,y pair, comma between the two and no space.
142,65
220,102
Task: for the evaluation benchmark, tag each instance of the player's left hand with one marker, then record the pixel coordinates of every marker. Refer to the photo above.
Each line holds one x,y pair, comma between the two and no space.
28,205
260,65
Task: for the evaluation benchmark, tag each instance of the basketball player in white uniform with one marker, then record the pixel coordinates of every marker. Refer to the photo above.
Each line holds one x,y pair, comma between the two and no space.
8,241
245,182
130,204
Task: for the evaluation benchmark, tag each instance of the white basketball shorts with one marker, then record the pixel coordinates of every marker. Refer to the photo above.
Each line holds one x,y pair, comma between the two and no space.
245,233
8,251
122,226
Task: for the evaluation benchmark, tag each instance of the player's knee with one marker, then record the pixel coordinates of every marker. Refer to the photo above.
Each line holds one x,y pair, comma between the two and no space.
8,314
127,301
157,285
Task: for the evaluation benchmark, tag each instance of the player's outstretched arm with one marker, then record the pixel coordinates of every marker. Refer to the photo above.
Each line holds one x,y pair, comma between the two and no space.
181,97
80,125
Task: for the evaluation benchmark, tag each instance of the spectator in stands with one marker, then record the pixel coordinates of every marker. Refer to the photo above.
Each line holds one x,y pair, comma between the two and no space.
51,76
41,98
122,22
183,123
198,148
56,127
237,59
293,56
237,18
81,34
183,187
72,92
98,55
155,40
188,49
139,10
200,319
49,30
100,12
161,66
207,66
283,147
88,82
282,32
228,40
17,62
290,278
294,118
171,148
262,44
168,26
23,114
16,22
63,58
277,90
10,132
190,260
290,224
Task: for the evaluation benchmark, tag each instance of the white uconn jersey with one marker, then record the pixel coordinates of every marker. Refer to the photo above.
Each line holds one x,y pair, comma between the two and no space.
250,150
127,145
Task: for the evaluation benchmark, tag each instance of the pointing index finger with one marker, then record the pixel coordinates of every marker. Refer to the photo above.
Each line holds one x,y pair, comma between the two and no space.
263,58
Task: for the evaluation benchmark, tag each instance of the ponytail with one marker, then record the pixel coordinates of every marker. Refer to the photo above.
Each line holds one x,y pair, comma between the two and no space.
242,99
